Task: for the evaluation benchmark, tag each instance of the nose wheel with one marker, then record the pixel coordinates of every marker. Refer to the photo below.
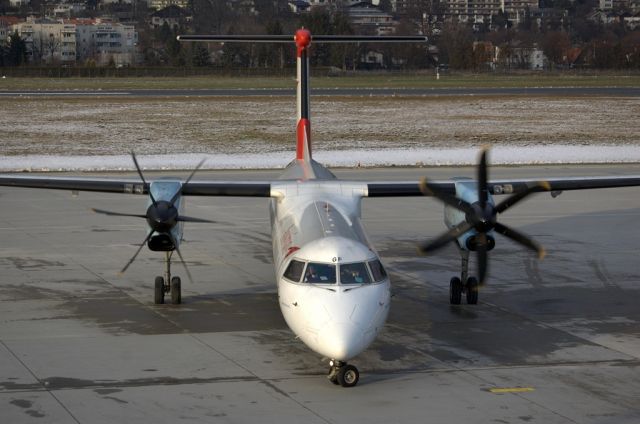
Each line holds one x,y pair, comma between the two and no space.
343,374
167,284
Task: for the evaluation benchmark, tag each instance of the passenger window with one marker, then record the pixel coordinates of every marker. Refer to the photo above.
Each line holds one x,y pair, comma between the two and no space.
320,273
294,271
377,270
354,274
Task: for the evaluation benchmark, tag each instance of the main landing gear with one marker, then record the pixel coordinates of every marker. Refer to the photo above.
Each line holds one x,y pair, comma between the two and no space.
343,374
167,284
469,287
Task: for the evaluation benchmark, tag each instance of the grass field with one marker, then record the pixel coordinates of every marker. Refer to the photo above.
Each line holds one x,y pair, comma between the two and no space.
114,125
424,80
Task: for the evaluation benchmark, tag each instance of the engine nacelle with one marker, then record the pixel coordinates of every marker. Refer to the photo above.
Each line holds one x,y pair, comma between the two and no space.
161,242
466,190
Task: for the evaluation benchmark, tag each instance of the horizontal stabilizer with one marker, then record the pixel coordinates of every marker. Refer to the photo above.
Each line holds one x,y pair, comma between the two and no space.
314,38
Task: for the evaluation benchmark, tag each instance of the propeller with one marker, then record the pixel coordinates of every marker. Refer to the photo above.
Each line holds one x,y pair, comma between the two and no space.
481,216
162,216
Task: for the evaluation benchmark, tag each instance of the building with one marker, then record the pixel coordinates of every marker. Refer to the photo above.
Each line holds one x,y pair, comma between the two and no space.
172,15
161,4
6,27
517,9
482,11
48,41
370,20
68,9
107,42
78,40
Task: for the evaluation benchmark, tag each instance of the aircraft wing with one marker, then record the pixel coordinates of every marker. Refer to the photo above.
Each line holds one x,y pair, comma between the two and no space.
135,186
413,188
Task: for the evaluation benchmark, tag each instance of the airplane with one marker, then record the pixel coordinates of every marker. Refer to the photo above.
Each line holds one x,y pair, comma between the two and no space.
334,292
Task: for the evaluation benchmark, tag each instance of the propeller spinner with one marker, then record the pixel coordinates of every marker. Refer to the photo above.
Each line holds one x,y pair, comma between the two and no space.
481,216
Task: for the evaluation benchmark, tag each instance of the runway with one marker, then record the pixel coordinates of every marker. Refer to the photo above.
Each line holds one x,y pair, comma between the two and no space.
367,92
556,341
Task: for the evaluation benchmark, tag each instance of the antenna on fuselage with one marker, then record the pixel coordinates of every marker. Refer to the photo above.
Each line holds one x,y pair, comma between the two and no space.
303,40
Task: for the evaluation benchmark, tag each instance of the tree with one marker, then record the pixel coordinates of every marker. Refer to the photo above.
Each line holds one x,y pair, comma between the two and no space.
16,52
343,54
199,55
210,16
555,45
456,46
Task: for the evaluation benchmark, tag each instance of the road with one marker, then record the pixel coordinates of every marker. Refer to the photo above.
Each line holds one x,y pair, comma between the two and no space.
368,92
555,341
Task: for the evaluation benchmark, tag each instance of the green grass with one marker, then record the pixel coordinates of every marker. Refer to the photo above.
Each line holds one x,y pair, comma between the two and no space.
425,80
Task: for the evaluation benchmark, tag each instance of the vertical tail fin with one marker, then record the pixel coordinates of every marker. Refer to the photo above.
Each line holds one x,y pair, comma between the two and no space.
303,126
303,39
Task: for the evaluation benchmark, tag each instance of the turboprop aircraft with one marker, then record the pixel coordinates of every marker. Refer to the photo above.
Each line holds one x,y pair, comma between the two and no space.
333,289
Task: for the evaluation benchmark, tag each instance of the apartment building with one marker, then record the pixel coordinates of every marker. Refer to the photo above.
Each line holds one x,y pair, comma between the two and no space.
78,40
481,11
105,41
48,41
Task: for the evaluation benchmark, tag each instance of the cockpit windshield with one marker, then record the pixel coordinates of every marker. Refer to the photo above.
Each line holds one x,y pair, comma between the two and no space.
320,273
355,273
324,273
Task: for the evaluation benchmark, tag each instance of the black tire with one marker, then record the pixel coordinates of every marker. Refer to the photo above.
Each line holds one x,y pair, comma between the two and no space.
472,291
176,294
455,291
159,291
348,376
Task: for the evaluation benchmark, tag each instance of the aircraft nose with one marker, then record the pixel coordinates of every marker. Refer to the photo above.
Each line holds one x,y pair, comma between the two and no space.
341,341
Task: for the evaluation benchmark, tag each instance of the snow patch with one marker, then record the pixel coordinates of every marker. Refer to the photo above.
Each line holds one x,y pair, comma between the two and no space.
500,155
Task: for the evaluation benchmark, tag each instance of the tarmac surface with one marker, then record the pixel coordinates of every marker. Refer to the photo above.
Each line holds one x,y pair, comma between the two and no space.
369,92
556,341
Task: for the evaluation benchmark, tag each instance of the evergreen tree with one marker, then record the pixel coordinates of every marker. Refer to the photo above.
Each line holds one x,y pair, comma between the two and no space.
17,50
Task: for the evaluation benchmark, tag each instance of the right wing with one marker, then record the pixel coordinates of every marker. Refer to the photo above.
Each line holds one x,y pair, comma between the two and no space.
135,186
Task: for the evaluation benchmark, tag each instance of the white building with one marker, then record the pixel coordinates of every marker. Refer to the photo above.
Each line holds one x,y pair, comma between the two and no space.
48,41
161,4
106,42
369,17
70,41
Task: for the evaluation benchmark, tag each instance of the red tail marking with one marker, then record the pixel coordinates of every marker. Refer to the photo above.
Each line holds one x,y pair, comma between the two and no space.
302,39
303,148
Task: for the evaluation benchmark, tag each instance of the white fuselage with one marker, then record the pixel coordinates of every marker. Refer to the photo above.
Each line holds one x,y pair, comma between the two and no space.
316,223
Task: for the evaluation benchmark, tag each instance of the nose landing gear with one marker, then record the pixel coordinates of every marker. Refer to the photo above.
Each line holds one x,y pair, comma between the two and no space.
167,284
343,374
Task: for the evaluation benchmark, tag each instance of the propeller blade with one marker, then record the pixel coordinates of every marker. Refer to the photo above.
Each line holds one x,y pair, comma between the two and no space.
520,238
512,200
191,219
483,190
103,212
133,258
135,162
445,238
175,196
483,263
184,264
444,197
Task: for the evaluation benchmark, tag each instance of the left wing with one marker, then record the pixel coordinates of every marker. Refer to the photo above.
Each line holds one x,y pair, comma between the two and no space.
135,186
